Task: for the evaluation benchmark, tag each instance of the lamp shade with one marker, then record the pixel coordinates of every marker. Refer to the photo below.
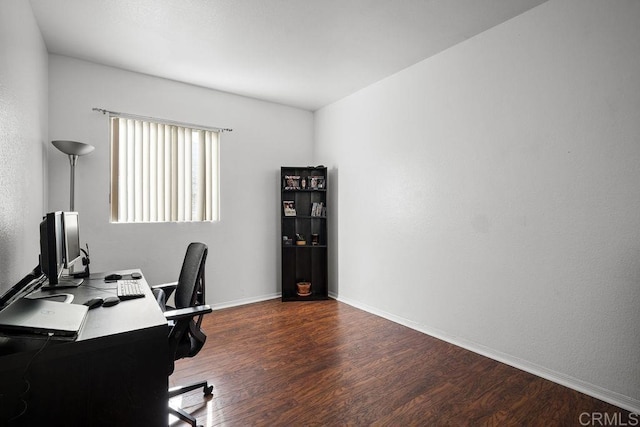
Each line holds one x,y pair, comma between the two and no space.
73,148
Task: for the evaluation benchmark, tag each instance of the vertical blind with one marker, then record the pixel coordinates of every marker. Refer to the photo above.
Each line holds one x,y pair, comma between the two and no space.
162,172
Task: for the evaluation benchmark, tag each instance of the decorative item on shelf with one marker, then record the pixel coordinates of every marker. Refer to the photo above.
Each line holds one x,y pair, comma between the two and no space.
303,289
289,207
316,182
300,240
315,239
287,241
304,183
292,182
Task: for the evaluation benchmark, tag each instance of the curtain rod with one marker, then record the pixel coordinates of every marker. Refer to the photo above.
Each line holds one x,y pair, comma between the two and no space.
167,122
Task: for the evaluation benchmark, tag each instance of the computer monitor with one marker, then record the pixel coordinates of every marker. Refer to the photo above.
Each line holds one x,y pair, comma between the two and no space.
59,248
72,253
52,247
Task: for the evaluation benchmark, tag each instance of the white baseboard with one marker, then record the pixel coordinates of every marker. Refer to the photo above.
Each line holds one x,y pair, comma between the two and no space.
598,392
245,301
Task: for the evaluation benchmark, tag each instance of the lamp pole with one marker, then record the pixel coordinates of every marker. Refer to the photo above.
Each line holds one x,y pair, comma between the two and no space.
73,160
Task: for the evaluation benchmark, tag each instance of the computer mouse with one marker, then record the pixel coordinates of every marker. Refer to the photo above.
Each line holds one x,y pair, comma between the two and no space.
109,301
94,302
112,277
136,276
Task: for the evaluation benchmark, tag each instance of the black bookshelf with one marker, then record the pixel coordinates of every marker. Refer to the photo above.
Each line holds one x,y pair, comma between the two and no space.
303,212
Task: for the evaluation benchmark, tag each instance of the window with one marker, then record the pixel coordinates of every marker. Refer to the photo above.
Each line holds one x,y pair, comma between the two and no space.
163,172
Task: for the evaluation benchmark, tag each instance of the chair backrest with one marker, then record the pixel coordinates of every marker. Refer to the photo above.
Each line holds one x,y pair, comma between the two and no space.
186,338
190,289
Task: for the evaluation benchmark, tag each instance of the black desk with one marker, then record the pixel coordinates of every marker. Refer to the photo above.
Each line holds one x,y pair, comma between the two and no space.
114,374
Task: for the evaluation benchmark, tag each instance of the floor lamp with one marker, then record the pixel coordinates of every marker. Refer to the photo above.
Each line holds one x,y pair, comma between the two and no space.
74,150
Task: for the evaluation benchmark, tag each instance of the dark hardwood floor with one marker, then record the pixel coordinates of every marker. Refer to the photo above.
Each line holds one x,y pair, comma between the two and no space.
327,363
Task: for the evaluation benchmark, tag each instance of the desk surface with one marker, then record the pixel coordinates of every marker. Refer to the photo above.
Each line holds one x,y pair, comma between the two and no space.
129,315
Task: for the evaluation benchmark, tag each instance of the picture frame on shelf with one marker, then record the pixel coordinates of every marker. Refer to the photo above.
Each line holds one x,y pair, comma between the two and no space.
292,182
289,207
316,183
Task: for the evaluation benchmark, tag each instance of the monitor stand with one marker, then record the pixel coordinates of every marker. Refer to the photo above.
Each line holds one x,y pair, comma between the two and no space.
64,282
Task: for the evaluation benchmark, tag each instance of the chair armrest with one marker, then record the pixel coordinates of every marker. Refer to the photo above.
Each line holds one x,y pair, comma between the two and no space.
182,313
165,286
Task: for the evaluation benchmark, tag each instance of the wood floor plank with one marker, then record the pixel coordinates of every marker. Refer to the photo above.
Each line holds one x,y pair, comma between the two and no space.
327,363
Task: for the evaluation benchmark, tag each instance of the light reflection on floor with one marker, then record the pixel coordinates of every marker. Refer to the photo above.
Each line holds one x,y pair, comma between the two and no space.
214,415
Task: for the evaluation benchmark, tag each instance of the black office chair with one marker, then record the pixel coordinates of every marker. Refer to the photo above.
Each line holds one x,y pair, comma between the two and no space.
185,335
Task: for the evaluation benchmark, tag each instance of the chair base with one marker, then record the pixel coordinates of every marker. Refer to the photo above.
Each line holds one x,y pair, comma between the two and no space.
176,391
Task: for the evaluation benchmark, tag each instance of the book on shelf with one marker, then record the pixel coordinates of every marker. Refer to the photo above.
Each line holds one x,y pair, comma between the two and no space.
289,207
318,209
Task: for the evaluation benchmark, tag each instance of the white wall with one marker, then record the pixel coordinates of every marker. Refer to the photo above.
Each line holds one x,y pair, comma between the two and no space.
490,195
23,131
244,251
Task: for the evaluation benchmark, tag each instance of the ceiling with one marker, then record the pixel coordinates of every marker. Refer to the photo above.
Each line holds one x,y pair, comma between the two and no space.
302,53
